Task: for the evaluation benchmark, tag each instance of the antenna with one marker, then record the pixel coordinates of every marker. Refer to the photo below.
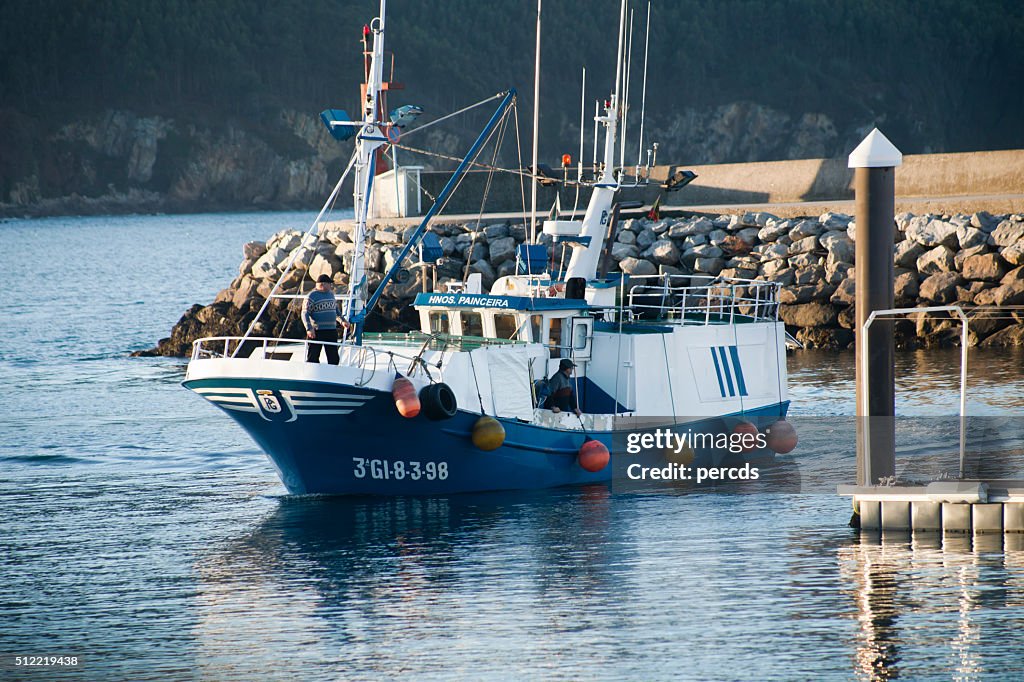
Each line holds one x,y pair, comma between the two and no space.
536,131
579,159
628,57
643,96
583,114
597,112
618,56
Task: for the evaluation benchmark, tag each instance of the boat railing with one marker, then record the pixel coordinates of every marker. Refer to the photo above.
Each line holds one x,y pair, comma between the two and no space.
274,348
703,299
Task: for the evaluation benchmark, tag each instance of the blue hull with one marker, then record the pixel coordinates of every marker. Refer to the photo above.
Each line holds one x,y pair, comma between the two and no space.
342,440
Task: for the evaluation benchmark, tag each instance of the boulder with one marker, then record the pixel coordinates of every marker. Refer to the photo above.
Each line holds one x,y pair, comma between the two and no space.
840,247
984,221
691,227
244,291
253,250
756,219
716,237
734,245
625,237
387,237
802,260
837,272
806,228
845,293
496,231
621,251
486,271
825,338
246,266
808,275
939,259
1007,294
705,251
970,236
1007,233
774,229
660,227
773,267
748,235
266,266
961,256
447,245
1014,255
694,240
284,239
986,268
324,265
517,232
835,221
773,251
796,294
502,248
373,257
711,266
299,258
931,233
1011,336
905,287
906,253
805,245
637,266
646,238
1015,275
808,315
940,288
665,252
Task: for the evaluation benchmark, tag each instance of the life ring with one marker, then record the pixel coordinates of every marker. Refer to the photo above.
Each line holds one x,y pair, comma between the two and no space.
438,402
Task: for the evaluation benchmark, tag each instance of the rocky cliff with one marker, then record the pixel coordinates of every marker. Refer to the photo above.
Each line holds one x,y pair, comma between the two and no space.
122,162
975,261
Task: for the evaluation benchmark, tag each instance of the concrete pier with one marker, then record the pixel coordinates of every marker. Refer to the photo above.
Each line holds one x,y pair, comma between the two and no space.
951,507
881,503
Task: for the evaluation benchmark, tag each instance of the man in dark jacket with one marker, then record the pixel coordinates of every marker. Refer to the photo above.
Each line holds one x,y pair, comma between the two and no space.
562,396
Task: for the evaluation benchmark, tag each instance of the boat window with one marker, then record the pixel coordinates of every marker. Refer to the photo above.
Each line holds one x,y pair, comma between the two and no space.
472,324
505,326
439,322
535,327
555,337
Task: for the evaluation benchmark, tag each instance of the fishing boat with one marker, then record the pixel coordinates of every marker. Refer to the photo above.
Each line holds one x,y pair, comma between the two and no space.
457,406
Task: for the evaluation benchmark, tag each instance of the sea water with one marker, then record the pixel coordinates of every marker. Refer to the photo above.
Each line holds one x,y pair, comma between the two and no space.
144,534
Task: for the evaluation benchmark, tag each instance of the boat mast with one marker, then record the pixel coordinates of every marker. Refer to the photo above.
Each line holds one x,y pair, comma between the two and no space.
536,129
369,138
585,259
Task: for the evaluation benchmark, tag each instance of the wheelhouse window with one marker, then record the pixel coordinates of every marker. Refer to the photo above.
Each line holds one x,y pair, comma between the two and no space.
555,337
536,328
472,324
440,323
505,326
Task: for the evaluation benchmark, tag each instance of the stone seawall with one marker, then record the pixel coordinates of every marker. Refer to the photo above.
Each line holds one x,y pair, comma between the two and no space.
976,261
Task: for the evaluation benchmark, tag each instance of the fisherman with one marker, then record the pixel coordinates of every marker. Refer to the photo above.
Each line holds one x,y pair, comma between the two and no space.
320,317
562,396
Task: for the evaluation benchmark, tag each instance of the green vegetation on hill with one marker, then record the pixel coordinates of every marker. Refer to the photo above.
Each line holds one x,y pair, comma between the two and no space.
946,75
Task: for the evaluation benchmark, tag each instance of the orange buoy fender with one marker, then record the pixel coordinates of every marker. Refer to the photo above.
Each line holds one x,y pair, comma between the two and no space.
781,437
746,429
593,455
406,400
488,433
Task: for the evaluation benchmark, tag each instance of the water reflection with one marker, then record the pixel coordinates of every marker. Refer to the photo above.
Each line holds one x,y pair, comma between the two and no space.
381,585
927,381
957,593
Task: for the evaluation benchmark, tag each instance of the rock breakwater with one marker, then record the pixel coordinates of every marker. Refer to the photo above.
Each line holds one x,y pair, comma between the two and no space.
975,261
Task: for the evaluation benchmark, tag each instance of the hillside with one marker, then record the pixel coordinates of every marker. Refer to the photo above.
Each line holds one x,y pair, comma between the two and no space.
188,105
